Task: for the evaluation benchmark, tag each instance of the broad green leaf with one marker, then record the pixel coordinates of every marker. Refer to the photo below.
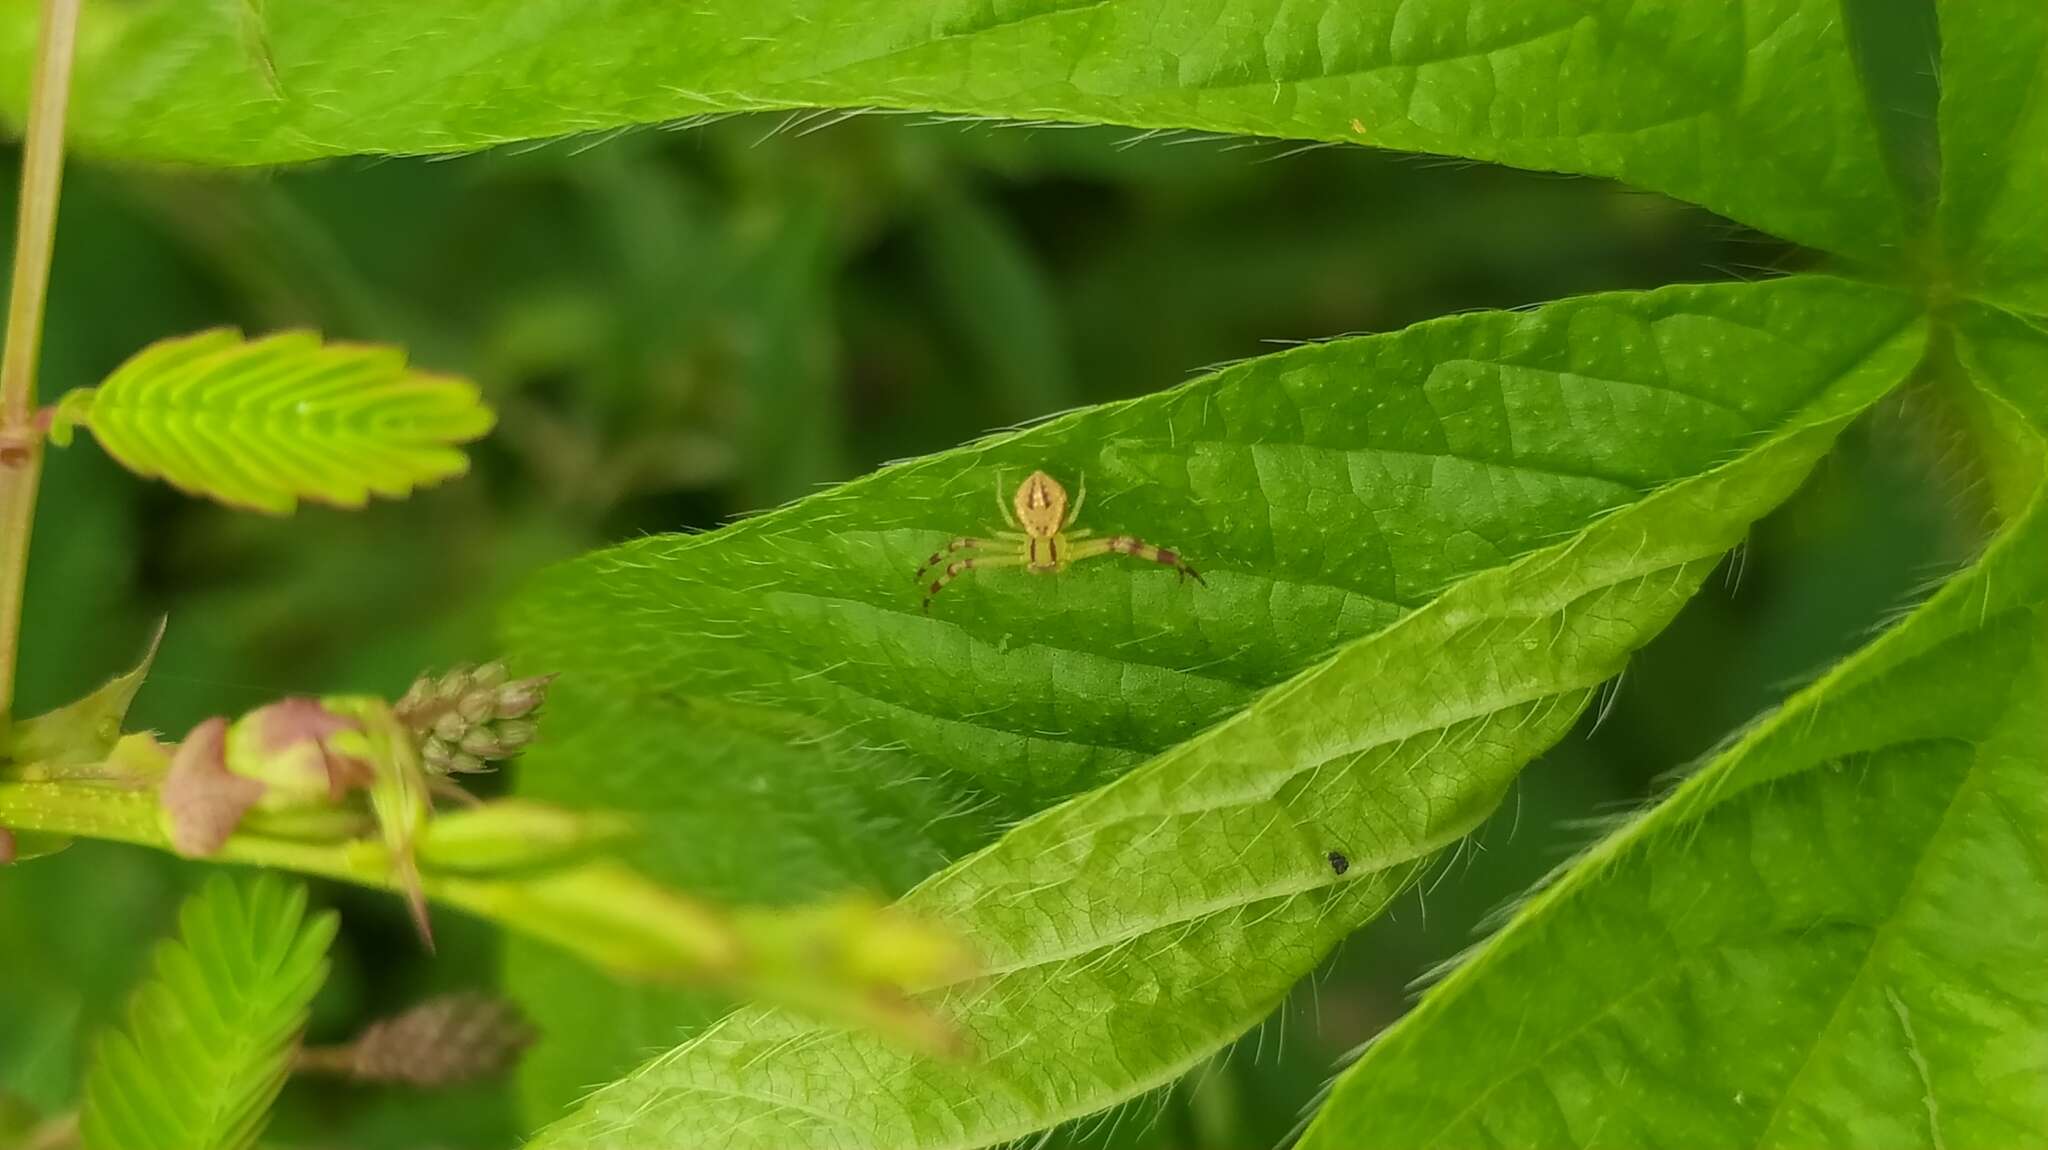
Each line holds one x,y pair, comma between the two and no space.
1749,107
1323,492
1498,506
209,1039
1832,935
1994,143
736,803
265,423
82,731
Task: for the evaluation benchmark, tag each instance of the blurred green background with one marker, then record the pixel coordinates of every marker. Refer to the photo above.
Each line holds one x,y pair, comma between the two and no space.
681,327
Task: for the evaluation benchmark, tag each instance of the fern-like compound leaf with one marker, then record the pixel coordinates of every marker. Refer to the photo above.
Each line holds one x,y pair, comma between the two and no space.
264,423
210,1037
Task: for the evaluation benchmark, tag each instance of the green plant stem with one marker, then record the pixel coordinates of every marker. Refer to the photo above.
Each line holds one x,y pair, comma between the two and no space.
131,816
601,911
21,457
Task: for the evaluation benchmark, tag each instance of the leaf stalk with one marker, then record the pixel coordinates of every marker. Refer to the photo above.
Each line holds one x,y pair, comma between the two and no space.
21,455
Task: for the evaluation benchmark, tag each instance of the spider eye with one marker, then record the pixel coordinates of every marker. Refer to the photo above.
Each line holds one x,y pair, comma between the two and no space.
1338,863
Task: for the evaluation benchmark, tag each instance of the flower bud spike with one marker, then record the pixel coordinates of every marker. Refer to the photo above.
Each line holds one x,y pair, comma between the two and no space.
454,684
483,743
445,1041
521,697
423,689
516,734
436,755
476,707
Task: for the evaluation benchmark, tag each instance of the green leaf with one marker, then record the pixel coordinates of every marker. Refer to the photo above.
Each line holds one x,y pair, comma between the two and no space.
1832,935
1324,492
210,1038
83,731
1751,108
740,804
1994,143
264,423
1491,510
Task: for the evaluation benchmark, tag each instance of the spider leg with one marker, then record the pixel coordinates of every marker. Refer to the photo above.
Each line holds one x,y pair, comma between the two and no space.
1136,548
1009,516
959,567
939,556
1080,497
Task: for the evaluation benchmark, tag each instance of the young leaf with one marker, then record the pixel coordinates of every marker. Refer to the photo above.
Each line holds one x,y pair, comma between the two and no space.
265,423
1750,108
210,1037
1833,935
83,731
1135,930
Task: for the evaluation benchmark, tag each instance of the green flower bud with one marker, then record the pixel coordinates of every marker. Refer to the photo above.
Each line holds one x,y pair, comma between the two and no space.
517,833
291,748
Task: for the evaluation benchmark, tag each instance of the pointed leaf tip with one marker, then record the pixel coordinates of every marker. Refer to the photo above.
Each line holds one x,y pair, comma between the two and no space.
264,423
86,729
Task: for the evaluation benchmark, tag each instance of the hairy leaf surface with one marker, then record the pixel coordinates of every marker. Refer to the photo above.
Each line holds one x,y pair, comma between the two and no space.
209,1039
1833,934
1749,107
1501,507
264,423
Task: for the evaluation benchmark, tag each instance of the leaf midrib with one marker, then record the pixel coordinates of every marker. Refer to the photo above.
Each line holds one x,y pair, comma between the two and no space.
1610,851
1879,940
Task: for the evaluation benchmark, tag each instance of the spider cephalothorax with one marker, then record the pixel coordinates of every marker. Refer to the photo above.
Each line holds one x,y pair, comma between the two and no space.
1042,541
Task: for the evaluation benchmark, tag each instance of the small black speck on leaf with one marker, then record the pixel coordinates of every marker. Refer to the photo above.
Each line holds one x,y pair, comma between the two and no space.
1338,863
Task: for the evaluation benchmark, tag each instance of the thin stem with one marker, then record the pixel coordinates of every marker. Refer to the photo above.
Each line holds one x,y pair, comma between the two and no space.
600,910
131,816
35,237
35,234
19,473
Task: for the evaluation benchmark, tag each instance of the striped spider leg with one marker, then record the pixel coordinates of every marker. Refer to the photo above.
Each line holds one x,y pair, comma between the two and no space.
1042,541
